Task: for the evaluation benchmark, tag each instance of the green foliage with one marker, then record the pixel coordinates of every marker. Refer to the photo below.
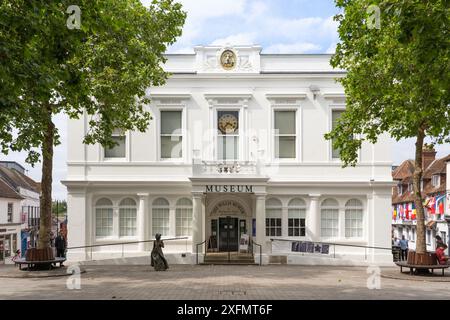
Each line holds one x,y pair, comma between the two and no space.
102,69
398,75
59,207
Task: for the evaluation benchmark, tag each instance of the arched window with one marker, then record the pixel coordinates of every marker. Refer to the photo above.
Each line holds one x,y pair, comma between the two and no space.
329,218
273,217
353,219
296,218
183,215
127,218
104,218
160,217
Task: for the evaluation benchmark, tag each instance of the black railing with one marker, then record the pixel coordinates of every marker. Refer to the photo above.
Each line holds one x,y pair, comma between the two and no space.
122,244
196,250
260,251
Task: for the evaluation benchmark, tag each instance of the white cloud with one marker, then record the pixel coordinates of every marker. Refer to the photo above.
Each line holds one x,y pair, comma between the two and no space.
236,39
302,47
207,9
332,48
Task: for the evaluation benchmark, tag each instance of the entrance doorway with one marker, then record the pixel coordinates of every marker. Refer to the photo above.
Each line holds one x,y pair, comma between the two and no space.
228,234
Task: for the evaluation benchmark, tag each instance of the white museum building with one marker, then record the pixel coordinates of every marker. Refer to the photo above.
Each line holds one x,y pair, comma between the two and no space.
235,151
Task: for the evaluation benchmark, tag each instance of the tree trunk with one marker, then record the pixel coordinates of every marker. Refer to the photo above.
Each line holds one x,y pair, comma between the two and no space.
421,247
45,226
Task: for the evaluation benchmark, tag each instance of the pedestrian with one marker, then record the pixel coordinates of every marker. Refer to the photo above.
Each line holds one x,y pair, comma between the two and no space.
16,256
404,248
440,254
396,242
60,244
439,241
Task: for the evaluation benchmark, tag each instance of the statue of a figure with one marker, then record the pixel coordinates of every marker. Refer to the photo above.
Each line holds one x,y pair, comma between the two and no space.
157,256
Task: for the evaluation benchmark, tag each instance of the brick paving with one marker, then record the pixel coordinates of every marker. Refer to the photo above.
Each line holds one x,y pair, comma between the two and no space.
184,282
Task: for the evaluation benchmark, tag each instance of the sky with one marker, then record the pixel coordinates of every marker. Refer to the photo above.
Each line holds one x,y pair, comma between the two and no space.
279,26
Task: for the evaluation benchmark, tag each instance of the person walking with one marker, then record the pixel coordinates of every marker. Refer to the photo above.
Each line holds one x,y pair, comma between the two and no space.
404,248
60,244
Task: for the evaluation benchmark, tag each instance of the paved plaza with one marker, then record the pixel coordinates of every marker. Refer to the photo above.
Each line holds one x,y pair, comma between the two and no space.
183,282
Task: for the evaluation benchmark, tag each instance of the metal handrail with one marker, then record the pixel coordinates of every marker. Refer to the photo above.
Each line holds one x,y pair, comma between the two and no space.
196,248
124,243
260,251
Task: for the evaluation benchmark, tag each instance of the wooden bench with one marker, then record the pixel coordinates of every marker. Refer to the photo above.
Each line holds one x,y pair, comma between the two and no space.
30,264
411,267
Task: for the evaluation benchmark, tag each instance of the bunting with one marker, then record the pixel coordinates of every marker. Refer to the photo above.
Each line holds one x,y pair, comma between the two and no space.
414,212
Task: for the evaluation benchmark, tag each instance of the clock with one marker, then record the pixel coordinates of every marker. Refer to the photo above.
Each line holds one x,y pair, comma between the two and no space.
228,123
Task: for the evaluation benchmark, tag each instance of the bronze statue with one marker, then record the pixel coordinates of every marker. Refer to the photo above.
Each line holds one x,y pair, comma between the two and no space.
157,256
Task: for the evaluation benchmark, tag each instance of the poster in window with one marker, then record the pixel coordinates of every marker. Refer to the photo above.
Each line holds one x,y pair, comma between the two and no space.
310,247
325,249
303,246
317,247
295,246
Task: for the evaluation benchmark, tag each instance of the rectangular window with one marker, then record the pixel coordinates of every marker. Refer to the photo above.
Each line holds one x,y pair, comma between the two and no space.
160,221
228,135
118,151
353,223
171,134
413,234
183,222
399,189
428,237
336,114
285,134
127,222
296,222
436,180
329,223
273,227
104,222
10,212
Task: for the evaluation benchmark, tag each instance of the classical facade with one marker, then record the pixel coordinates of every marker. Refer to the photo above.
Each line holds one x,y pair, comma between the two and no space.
235,150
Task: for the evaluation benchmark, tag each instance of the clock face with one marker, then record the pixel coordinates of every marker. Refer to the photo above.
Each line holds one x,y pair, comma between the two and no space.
228,124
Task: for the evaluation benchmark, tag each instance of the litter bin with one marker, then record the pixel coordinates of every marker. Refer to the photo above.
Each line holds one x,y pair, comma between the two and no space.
396,253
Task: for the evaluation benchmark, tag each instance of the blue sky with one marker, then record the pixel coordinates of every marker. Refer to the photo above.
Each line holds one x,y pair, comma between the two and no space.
279,26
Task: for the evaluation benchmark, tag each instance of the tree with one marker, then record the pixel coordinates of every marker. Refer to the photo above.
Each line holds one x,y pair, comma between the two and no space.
101,67
397,81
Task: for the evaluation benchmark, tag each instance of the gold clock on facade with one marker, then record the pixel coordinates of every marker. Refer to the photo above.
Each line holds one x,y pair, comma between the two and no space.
228,124
228,59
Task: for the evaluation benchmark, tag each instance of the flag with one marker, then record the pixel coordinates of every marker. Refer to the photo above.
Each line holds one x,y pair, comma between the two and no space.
407,211
440,204
394,214
400,207
414,212
432,205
